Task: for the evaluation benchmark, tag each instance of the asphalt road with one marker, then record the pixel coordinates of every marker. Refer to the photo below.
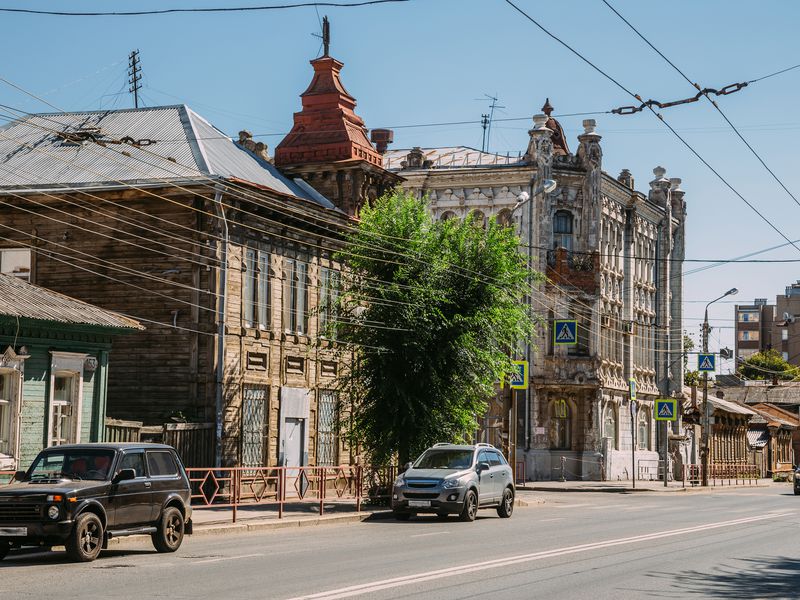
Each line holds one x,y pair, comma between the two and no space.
733,544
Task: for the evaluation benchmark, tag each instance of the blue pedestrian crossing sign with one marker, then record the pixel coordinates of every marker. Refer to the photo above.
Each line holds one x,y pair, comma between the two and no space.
565,332
666,409
519,376
706,362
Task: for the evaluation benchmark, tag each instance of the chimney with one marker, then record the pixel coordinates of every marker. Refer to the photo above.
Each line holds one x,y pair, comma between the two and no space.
381,138
626,179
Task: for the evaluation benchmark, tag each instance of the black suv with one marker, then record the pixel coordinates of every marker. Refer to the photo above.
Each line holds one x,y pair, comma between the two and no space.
82,495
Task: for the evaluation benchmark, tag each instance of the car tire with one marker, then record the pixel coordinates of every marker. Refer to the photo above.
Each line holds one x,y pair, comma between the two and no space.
170,530
470,510
506,507
86,539
796,492
402,516
4,548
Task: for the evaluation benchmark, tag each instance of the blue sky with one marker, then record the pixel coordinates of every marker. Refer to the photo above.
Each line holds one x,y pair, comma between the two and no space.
429,61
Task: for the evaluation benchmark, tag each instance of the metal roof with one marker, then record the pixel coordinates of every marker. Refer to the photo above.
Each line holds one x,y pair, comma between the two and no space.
20,299
731,407
163,144
757,438
451,157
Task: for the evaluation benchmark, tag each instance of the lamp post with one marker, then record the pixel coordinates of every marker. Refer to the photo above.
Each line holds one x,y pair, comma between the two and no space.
547,186
706,413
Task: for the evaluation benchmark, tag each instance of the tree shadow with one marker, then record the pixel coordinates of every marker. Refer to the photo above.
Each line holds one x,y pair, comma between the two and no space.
766,577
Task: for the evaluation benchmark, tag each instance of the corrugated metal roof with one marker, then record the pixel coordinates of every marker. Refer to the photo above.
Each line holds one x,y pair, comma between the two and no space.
451,157
731,407
44,151
24,300
757,438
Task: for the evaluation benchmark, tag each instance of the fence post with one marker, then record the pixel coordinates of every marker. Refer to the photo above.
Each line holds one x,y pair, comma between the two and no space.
321,482
279,495
358,488
235,491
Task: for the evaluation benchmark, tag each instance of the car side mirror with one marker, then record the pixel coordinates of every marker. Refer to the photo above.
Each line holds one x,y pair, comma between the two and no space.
124,475
407,466
20,476
484,466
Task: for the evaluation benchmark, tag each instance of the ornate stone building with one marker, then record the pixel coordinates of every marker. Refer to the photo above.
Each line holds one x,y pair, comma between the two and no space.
612,259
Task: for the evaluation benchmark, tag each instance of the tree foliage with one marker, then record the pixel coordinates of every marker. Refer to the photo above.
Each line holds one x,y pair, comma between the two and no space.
433,311
768,365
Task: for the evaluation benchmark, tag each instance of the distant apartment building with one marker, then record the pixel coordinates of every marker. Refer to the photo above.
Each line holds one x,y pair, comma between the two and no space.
786,332
754,324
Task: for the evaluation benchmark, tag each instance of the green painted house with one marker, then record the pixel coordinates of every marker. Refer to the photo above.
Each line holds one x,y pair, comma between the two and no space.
53,369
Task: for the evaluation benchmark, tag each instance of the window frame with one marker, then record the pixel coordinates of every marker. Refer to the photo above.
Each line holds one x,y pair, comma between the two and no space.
152,452
68,365
563,220
295,296
256,288
9,404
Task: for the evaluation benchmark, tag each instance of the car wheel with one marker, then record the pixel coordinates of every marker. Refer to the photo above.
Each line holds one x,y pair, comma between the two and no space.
402,516
470,510
507,504
4,548
86,539
169,535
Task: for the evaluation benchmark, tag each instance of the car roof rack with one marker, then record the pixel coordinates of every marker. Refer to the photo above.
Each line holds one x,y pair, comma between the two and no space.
442,444
484,445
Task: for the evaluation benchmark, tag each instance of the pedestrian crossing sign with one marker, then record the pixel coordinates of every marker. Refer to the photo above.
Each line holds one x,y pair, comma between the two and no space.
519,376
666,409
565,332
706,362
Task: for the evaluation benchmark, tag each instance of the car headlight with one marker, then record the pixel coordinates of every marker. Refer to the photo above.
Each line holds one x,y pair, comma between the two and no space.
53,512
399,481
452,483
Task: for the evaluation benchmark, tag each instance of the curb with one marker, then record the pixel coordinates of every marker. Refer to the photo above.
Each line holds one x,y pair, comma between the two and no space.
628,490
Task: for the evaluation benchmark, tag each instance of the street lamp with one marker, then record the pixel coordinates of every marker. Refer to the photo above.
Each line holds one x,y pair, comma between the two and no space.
706,412
547,186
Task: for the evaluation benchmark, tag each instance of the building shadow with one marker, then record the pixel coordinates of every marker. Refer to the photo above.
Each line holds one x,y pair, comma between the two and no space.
764,577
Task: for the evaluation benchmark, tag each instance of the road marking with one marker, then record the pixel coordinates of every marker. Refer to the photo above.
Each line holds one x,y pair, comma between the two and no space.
427,534
221,558
551,520
376,586
556,505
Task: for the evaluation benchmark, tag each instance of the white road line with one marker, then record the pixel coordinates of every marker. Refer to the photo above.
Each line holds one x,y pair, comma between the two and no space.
376,586
427,534
551,520
221,558
571,505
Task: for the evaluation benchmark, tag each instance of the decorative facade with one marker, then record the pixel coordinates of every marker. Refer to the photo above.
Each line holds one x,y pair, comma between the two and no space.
612,258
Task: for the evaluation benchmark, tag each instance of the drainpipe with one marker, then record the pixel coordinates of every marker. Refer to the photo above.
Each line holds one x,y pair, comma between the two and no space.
223,279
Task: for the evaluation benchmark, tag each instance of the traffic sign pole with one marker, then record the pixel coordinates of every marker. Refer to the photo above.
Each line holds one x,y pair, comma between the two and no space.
632,398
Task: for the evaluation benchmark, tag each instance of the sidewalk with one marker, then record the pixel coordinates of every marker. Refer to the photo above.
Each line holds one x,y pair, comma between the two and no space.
627,486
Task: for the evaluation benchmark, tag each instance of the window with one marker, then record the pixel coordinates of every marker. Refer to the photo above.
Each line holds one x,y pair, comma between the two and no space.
448,214
478,218
255,410
135,461
7,410
562,229
77,464
784,334
327,429
161,463
748,336
62,422
329,281
504,218
785,356
610,425
561,426
16,261
494,458
748,317
295,296
643,429
255,289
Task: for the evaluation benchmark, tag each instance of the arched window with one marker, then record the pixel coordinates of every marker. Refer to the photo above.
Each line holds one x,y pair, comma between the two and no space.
562,229
643,429
610,424
504,218
448,214
560,425
478,218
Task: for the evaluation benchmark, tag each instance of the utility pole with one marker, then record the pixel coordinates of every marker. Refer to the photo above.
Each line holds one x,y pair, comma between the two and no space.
135,76
484,123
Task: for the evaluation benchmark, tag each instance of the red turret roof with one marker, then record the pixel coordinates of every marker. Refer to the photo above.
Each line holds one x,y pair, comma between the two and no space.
327,129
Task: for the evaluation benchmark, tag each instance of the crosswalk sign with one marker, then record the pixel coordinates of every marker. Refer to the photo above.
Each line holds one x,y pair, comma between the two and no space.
666,409
565,332
519,376
706,362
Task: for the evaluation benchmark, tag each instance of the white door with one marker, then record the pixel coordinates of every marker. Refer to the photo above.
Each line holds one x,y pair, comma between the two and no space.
293,441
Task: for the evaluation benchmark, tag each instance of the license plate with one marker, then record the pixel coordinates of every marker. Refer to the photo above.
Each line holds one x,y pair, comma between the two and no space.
13,531
419,503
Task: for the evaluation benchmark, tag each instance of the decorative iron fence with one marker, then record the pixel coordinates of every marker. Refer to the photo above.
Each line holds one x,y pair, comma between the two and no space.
719,474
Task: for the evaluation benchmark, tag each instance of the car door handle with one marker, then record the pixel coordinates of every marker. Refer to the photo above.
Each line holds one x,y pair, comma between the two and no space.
147,484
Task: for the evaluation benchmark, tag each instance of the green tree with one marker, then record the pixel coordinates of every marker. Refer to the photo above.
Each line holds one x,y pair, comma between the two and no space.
689,377
432,311
767,365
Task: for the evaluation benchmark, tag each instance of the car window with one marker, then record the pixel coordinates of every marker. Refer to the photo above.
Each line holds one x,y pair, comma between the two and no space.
444,459
494,459
483,457
78,464
161,463
135,461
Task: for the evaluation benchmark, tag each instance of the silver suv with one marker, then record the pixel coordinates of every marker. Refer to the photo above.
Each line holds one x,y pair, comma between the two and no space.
450,478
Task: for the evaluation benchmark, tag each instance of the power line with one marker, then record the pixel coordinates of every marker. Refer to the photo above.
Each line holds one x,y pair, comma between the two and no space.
135,76
660,118
165,11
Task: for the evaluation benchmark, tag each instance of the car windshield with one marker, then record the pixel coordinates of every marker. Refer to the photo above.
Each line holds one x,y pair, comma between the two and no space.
444,459
72,464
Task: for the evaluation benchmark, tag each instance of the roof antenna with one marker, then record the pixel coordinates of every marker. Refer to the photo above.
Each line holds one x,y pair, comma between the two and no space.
486,121
325,37
135,73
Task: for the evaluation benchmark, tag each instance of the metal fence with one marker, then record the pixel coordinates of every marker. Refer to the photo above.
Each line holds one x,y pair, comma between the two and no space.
719,474
235,487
